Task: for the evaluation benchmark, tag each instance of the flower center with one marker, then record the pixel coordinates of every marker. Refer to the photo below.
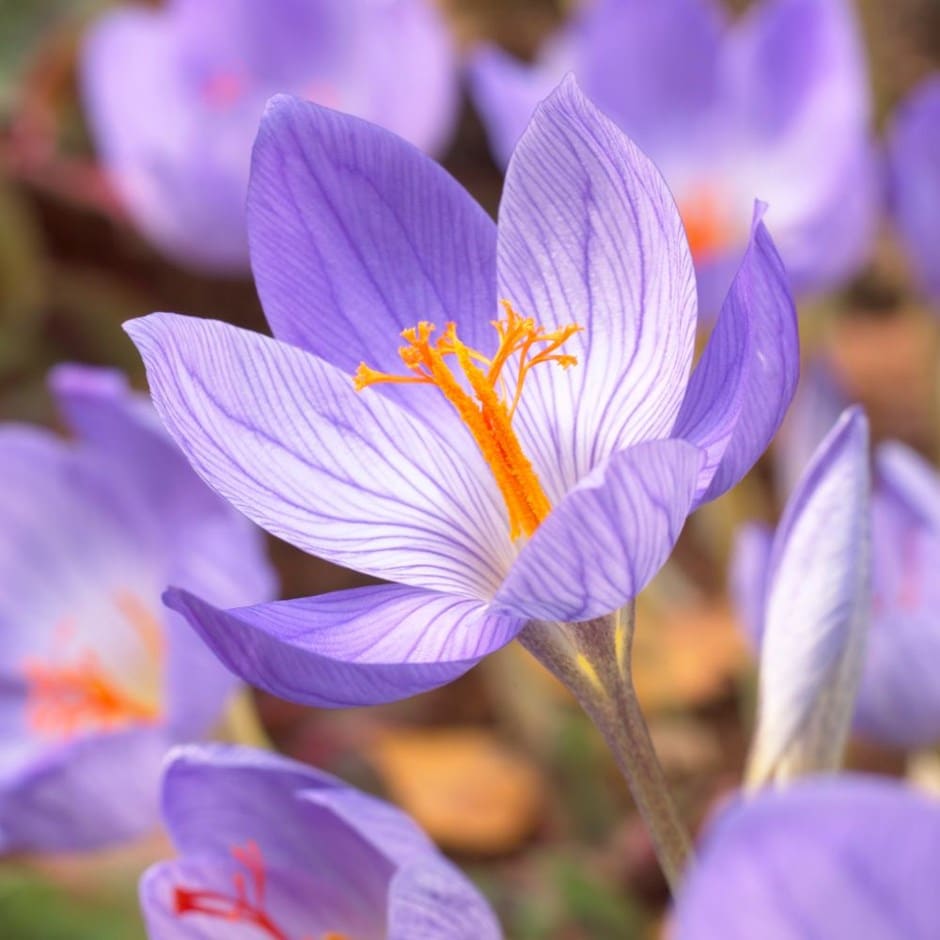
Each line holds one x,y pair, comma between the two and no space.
487,408
245,904
706,225
78,692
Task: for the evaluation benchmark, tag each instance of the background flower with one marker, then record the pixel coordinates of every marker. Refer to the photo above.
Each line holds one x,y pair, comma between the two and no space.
270,844
97,677
774,106
174,97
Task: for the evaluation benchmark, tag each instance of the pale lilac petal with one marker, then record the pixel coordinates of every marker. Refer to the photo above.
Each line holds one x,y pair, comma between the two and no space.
89,792
589,234
741,387
911,480
846,857
601,545
356,647
749,570
914,152
356,235
818,606
434,901
344,475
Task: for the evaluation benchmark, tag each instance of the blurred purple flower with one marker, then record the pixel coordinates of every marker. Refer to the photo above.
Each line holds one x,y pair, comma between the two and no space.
774,106
97,679
899,699
556,501
174,97
840,857
276,849
914,180
808,588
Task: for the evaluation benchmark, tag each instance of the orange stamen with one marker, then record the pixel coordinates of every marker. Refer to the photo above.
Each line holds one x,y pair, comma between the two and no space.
706,226
486,412
64,698
246,903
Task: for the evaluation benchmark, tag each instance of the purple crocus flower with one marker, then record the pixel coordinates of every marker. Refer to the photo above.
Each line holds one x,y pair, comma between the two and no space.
809,590
914,180
840,857
898,701
775,105
174,96
269,848
97,678
540,470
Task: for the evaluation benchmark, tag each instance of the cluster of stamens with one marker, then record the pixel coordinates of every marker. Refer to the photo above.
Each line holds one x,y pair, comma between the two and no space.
77,693
485,401
246,904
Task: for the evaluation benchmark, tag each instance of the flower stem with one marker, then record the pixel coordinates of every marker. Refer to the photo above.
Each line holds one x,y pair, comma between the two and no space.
593,660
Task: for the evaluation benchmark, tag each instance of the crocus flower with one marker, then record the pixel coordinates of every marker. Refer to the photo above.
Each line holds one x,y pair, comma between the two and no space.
914,165
97,678
841,857
898,702
775,105
809,588
269,848
174,95
524,463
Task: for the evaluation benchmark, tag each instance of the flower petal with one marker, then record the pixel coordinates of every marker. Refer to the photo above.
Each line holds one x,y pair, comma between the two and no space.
817,614
601,545
348,477
89,792
434,901
914,153
589,234
356,235
745,380
845,857
358,647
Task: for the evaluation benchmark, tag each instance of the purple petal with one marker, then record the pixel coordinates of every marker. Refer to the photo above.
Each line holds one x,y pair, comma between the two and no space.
850,857
89,792
741,387
356,235
601,545
817,611
346,476
357,647
910,480
914,153
434,901
749,569
589,234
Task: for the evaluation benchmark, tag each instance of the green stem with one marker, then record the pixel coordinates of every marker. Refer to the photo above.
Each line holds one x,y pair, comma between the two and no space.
593,660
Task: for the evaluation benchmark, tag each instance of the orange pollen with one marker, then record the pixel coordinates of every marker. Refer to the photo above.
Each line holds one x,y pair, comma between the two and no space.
246,903
706,226
65,697
487,409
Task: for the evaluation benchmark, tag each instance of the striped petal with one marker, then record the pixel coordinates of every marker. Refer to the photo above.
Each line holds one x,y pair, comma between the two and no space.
357,647
588,233
346,476
601,545
817,612
746,378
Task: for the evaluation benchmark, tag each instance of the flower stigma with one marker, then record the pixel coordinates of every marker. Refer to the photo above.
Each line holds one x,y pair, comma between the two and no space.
78,693
489,410
245,904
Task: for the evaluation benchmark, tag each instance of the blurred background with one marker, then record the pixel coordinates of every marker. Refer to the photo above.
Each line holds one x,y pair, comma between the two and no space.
505,773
